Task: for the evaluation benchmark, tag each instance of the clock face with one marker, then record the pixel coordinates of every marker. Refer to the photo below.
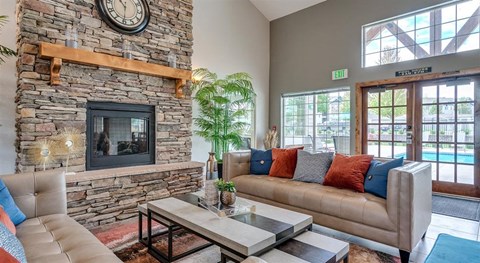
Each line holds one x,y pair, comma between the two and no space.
125,16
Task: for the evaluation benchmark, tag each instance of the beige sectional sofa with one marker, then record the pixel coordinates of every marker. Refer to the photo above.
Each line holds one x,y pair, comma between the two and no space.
401,220
49,235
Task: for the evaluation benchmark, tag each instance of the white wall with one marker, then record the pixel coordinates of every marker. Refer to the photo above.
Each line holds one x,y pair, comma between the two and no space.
8,87
232,36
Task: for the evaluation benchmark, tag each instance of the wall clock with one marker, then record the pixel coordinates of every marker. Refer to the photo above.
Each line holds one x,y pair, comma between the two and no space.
124,16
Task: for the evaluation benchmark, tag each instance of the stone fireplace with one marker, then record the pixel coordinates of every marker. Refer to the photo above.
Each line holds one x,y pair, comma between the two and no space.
107,195
45,109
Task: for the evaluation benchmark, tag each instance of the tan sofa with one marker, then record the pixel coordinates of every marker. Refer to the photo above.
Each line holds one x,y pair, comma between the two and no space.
49,235
401,220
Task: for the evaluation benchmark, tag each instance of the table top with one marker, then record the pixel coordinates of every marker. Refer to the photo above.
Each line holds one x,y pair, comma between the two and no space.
246,234
308,247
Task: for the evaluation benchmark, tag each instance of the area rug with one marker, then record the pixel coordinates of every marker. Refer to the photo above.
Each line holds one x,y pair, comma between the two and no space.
456,207
122,238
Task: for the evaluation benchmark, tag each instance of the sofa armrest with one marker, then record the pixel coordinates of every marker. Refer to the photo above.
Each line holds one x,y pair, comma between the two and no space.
409,202
235,164
38,194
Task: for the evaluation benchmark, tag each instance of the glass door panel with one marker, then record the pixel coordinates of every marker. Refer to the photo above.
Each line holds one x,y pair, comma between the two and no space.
447,115
388,121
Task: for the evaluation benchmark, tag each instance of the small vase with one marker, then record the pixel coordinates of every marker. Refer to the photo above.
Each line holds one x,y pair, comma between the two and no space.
211,167
211,192
228,198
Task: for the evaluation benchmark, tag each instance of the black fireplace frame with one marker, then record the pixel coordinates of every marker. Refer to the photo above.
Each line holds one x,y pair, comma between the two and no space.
110,109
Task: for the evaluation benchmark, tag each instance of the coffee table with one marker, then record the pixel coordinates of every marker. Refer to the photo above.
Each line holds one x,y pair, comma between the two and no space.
239,236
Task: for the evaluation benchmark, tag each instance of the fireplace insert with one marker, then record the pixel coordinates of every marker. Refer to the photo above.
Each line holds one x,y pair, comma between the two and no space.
119,135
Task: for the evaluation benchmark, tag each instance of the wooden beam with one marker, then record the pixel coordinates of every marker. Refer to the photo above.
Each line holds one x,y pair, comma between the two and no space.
462,34
407,41
358,119
59,53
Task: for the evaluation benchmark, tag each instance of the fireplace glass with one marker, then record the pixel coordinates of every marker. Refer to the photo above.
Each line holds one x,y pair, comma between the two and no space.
119,135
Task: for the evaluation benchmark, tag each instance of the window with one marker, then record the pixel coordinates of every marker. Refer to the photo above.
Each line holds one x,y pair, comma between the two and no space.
315,120
440,30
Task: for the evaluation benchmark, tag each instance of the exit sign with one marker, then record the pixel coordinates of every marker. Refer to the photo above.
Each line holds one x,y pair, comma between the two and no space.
340,74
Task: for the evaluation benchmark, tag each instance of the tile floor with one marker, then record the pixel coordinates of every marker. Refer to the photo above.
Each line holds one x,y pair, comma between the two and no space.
440,224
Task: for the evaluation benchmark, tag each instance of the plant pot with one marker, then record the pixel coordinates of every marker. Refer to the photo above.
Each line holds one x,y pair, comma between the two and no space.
228,198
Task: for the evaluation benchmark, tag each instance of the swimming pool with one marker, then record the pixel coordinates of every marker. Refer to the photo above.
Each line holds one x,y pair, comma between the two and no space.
466,158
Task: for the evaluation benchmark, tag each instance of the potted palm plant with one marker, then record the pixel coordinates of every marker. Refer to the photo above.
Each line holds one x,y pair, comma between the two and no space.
222,103
5,51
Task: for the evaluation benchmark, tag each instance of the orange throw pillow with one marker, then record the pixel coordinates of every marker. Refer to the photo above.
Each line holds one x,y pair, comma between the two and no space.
348,172
5,219
6,257
284,162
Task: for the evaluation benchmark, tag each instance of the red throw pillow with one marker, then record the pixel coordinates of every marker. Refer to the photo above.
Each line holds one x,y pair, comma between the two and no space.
6,257
5,219
284,162
348,172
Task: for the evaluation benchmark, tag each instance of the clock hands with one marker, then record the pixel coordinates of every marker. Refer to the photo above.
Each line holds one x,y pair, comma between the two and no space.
124,10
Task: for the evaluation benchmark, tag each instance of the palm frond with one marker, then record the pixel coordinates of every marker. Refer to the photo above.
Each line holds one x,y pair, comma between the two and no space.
3,20
5,51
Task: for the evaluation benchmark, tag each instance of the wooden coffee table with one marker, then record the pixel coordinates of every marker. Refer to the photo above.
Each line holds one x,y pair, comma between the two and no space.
239,237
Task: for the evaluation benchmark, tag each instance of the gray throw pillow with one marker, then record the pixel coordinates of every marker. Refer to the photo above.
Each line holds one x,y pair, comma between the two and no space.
312,167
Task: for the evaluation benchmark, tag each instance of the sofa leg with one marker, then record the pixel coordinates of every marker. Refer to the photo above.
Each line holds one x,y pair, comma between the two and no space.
424,234
404,256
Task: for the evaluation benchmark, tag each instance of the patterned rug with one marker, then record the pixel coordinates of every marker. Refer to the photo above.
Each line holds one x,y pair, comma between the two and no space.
122,239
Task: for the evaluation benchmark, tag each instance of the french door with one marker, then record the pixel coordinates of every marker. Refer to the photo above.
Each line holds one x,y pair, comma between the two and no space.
388,118
447,132
432,121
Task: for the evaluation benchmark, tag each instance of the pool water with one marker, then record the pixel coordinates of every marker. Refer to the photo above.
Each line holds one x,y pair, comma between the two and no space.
466,158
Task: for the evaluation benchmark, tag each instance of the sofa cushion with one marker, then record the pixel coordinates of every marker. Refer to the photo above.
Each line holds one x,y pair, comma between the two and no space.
6,200
59,238
11,244
260,161
376,178
312,167
284,162
362,208
348,172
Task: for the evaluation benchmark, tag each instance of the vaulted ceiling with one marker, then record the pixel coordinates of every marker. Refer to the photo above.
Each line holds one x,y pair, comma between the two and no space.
273,9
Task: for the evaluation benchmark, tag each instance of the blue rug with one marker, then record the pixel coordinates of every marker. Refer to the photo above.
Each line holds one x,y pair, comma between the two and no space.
450,249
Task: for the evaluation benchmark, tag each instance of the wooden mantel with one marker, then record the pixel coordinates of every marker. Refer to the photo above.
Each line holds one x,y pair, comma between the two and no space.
59,53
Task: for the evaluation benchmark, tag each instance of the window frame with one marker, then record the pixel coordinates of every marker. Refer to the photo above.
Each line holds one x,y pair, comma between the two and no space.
435,40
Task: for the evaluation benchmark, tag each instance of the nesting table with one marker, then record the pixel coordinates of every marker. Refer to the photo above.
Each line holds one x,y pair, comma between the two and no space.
240,236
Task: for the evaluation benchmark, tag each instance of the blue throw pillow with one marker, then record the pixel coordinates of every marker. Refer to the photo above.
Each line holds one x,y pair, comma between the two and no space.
9,205
10,243
260,161
377,176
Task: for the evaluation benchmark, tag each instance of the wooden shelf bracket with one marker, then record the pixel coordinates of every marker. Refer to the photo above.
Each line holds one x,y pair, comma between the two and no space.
55,66
59,53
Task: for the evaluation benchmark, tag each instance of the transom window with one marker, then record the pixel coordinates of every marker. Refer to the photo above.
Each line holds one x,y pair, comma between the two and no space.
444,29
318,121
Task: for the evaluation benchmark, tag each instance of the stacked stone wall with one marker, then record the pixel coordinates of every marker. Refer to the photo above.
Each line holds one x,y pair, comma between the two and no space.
97,201
43,110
